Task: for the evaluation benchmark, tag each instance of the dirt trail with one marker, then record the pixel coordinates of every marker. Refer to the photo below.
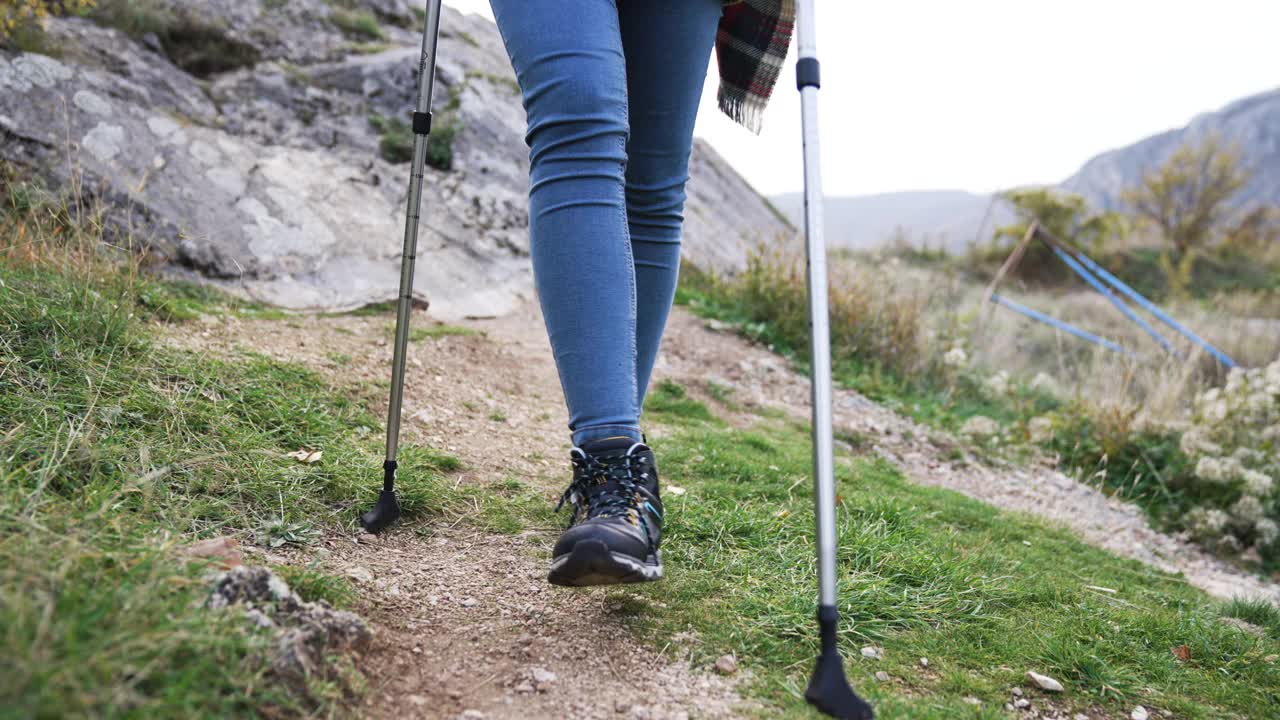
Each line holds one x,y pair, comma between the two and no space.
466,620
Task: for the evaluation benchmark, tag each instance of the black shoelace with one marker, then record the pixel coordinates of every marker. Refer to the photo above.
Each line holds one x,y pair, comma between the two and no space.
617,497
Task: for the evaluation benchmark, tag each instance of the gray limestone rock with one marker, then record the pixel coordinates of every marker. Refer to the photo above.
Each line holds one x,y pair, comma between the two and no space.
267,179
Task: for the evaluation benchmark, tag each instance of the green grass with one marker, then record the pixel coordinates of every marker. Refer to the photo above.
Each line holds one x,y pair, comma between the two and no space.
984,594
396,141
875,354
431,332
359,24
1258,612
118,450
200,45
312,584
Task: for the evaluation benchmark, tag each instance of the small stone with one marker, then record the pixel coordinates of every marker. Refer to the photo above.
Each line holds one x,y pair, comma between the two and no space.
1008,707
1139,713
640,712
368,539
417,650
1245,626
1044,682
360,574
524,688
882,676
726,665
924,662
417,700
542,675
1017,692
472,715
621,706
469,602
871,652
1021,703
1080,716
971,700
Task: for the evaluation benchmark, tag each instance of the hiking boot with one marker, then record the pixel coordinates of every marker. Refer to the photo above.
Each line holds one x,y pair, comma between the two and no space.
616,526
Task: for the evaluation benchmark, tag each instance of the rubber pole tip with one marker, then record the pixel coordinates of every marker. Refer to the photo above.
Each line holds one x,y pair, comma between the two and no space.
385,512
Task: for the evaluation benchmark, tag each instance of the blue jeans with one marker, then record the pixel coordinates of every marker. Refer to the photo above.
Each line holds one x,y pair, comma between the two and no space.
611,89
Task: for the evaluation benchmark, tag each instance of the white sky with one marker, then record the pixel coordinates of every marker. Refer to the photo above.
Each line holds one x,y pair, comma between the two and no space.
989,94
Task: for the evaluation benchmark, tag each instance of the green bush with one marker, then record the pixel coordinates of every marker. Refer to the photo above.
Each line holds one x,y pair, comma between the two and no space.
396,143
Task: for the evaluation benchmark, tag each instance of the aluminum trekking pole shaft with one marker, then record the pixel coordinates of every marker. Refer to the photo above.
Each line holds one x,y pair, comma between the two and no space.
828,689
388,508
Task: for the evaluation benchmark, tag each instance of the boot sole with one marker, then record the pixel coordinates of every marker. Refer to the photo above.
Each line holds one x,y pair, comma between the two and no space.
592,563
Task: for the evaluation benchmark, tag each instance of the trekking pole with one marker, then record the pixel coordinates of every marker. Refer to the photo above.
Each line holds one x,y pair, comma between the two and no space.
387,510
828,689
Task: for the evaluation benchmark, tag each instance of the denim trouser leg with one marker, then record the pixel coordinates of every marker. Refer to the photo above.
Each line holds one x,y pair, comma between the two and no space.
667,44
580,65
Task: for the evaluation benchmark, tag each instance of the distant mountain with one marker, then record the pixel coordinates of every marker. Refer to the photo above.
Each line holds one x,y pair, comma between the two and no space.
950,218
1253,123
927,218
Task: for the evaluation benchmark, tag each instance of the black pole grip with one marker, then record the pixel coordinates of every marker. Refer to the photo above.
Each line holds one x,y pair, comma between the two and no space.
389,476
808,73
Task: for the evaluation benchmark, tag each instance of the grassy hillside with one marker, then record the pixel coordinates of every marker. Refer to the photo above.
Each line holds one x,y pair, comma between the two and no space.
119,450
115,452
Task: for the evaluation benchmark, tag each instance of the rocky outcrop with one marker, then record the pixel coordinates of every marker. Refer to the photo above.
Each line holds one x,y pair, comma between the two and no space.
261,172
1251,124
310,640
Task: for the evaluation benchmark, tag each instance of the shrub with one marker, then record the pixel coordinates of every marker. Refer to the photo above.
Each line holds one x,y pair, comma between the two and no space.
357,23
197,44
1235,443
396,143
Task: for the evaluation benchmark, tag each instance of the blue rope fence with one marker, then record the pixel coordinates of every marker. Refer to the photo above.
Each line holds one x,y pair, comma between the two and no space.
1104,282
1055,323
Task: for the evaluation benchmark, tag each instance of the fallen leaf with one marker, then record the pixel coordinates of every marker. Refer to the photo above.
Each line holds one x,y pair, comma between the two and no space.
676,490
782,514
224,551
305,456
1182,652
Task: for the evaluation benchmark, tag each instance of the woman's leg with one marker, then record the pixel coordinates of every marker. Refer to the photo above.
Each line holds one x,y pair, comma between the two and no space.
667,44
569,61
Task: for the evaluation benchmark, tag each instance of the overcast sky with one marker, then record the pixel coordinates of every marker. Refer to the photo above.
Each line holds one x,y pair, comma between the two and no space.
988,94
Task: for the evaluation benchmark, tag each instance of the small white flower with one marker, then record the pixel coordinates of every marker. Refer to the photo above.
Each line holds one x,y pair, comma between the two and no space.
1247,511
1040,429
1207,523
1256,483
1217,411
1213,469
980,427
1195,442
1268,531
998,384
955,358
1045,383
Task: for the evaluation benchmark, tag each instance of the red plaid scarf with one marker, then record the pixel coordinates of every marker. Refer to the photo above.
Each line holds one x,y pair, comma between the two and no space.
750,47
